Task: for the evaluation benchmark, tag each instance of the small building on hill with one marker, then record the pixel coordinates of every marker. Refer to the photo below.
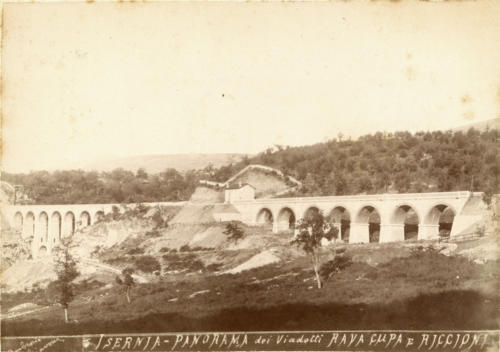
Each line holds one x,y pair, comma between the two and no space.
239,192
265,181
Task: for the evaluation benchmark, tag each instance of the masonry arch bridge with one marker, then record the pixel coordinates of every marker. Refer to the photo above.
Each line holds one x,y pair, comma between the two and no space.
369,218
47,225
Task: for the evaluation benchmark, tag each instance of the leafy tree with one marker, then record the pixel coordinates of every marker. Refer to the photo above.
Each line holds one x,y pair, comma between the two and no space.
127,281
66,271
311,230
233,231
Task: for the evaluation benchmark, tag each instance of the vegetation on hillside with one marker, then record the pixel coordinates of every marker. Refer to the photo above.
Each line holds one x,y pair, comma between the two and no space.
376,163
399,162
117,186
423,290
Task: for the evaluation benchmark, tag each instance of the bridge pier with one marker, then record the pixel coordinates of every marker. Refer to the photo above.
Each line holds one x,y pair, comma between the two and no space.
360,233
275,227
428,231
338,225
392,233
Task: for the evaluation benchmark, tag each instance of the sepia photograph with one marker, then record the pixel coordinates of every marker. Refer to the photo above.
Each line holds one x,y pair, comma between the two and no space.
250,176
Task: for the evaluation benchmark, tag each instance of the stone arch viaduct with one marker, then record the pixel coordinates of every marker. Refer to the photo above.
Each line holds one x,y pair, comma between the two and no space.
387,212
362,215
47,224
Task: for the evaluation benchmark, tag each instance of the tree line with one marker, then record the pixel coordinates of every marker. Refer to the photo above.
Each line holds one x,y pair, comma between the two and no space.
389,162
375,163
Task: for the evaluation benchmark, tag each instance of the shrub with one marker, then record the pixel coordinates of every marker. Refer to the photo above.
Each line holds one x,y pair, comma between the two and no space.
185,248
158,220
233,231
201,249
185,262
153,233
213,267
137,250
147,264
164,249
334,266
88,284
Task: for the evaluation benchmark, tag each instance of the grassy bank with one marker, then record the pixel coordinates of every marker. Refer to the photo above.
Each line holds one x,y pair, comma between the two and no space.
425,290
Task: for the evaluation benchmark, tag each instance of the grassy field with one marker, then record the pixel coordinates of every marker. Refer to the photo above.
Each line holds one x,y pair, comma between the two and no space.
386,290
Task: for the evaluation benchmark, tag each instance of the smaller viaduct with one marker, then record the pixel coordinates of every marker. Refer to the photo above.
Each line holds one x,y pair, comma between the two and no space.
47,224
357,217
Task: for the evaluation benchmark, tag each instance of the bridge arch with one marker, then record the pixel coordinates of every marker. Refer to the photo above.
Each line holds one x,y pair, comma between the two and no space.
264,217
43,220
406,216
369,216
42,251
286,219
85,218
341,217
17,223
55,226
440,217
69,224
29,225
311,212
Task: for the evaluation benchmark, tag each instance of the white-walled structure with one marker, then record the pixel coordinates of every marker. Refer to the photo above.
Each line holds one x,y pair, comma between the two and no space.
239,193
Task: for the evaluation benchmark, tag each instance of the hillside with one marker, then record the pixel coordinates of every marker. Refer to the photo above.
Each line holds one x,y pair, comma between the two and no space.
398,162
157,163
492,124
189,277
389,163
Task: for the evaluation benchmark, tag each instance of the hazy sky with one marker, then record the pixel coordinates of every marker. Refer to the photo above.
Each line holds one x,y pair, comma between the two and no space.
83,81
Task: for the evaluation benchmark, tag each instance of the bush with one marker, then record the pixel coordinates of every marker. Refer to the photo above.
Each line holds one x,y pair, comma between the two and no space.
153,233
213,267
158,220
334,266
183,262
233,232
185,248
137,250
88,284
147,264
201,249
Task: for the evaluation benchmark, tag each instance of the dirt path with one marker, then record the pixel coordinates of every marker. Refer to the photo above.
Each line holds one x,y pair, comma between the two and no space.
13,315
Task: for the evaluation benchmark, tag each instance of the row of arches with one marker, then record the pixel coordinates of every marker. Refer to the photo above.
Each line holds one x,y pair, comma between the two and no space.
440,217
52,227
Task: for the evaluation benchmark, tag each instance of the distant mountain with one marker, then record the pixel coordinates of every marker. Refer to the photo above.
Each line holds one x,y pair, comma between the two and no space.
493,124
160,162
